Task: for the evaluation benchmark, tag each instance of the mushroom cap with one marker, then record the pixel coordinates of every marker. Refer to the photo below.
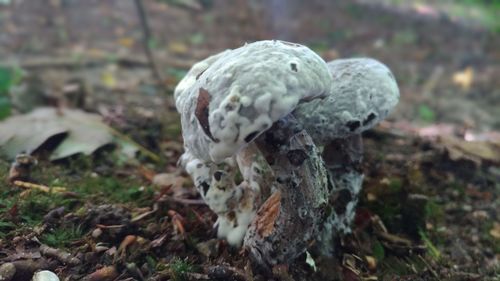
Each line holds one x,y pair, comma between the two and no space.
238,94
363,93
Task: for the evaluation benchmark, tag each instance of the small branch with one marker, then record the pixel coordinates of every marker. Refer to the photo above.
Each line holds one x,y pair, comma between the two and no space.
146,31
62,256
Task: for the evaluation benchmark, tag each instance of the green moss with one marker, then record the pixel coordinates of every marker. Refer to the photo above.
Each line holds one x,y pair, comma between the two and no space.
434,212
33,207
62,237
378,250
401,266
115,190
77,177
489,240
431,248
395,185
426,114
5,227
179,268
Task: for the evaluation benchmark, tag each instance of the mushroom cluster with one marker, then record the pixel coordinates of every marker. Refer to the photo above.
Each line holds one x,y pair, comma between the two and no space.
272,138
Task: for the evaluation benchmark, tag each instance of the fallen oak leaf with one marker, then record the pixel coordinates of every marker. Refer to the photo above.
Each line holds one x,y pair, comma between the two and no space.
81,132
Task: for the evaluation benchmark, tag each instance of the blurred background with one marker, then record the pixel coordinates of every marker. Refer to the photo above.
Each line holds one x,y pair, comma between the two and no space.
445,53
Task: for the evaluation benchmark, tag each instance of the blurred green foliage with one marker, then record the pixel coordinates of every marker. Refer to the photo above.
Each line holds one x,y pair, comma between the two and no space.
426,114
9,77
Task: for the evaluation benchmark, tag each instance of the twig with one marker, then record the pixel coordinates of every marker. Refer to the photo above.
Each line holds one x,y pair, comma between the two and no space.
44,188
146,32
59,254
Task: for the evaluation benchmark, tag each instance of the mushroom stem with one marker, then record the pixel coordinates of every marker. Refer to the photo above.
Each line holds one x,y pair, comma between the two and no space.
233,205
256,171
342,158
291,217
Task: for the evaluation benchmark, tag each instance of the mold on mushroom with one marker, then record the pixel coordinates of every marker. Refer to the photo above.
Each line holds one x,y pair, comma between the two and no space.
240,93
363,93
289,122
226,102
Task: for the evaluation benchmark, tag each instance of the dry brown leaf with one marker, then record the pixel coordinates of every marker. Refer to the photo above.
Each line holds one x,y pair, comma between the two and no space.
476,151
464,78
84,133
495,231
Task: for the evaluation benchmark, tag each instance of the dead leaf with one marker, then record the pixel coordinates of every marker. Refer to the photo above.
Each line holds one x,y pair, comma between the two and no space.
108,76
126,42
178,48
166,179
476,151
495,231
464,78
103,274
84,133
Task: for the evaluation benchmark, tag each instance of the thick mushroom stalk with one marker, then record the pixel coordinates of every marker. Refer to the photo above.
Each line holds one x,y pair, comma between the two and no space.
291,218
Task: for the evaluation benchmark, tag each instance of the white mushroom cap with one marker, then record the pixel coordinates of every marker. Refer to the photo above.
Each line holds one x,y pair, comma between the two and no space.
191,77
242,92
363,93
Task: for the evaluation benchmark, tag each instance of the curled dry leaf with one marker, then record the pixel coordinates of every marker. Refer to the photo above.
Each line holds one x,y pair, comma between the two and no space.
82,132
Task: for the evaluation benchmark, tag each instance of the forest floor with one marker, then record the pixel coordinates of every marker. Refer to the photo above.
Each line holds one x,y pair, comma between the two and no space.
429,209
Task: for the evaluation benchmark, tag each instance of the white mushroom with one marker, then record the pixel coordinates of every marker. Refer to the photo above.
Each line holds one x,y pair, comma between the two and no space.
45,275
226,102
265,108
364,92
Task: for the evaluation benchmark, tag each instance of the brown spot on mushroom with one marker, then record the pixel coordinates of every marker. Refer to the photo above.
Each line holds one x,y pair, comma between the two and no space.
231,216
201,112
293,66
268,214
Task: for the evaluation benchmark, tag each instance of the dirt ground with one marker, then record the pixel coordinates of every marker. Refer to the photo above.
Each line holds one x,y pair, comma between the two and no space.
430,205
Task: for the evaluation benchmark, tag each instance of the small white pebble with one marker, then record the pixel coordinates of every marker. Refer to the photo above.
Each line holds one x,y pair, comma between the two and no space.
45,275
